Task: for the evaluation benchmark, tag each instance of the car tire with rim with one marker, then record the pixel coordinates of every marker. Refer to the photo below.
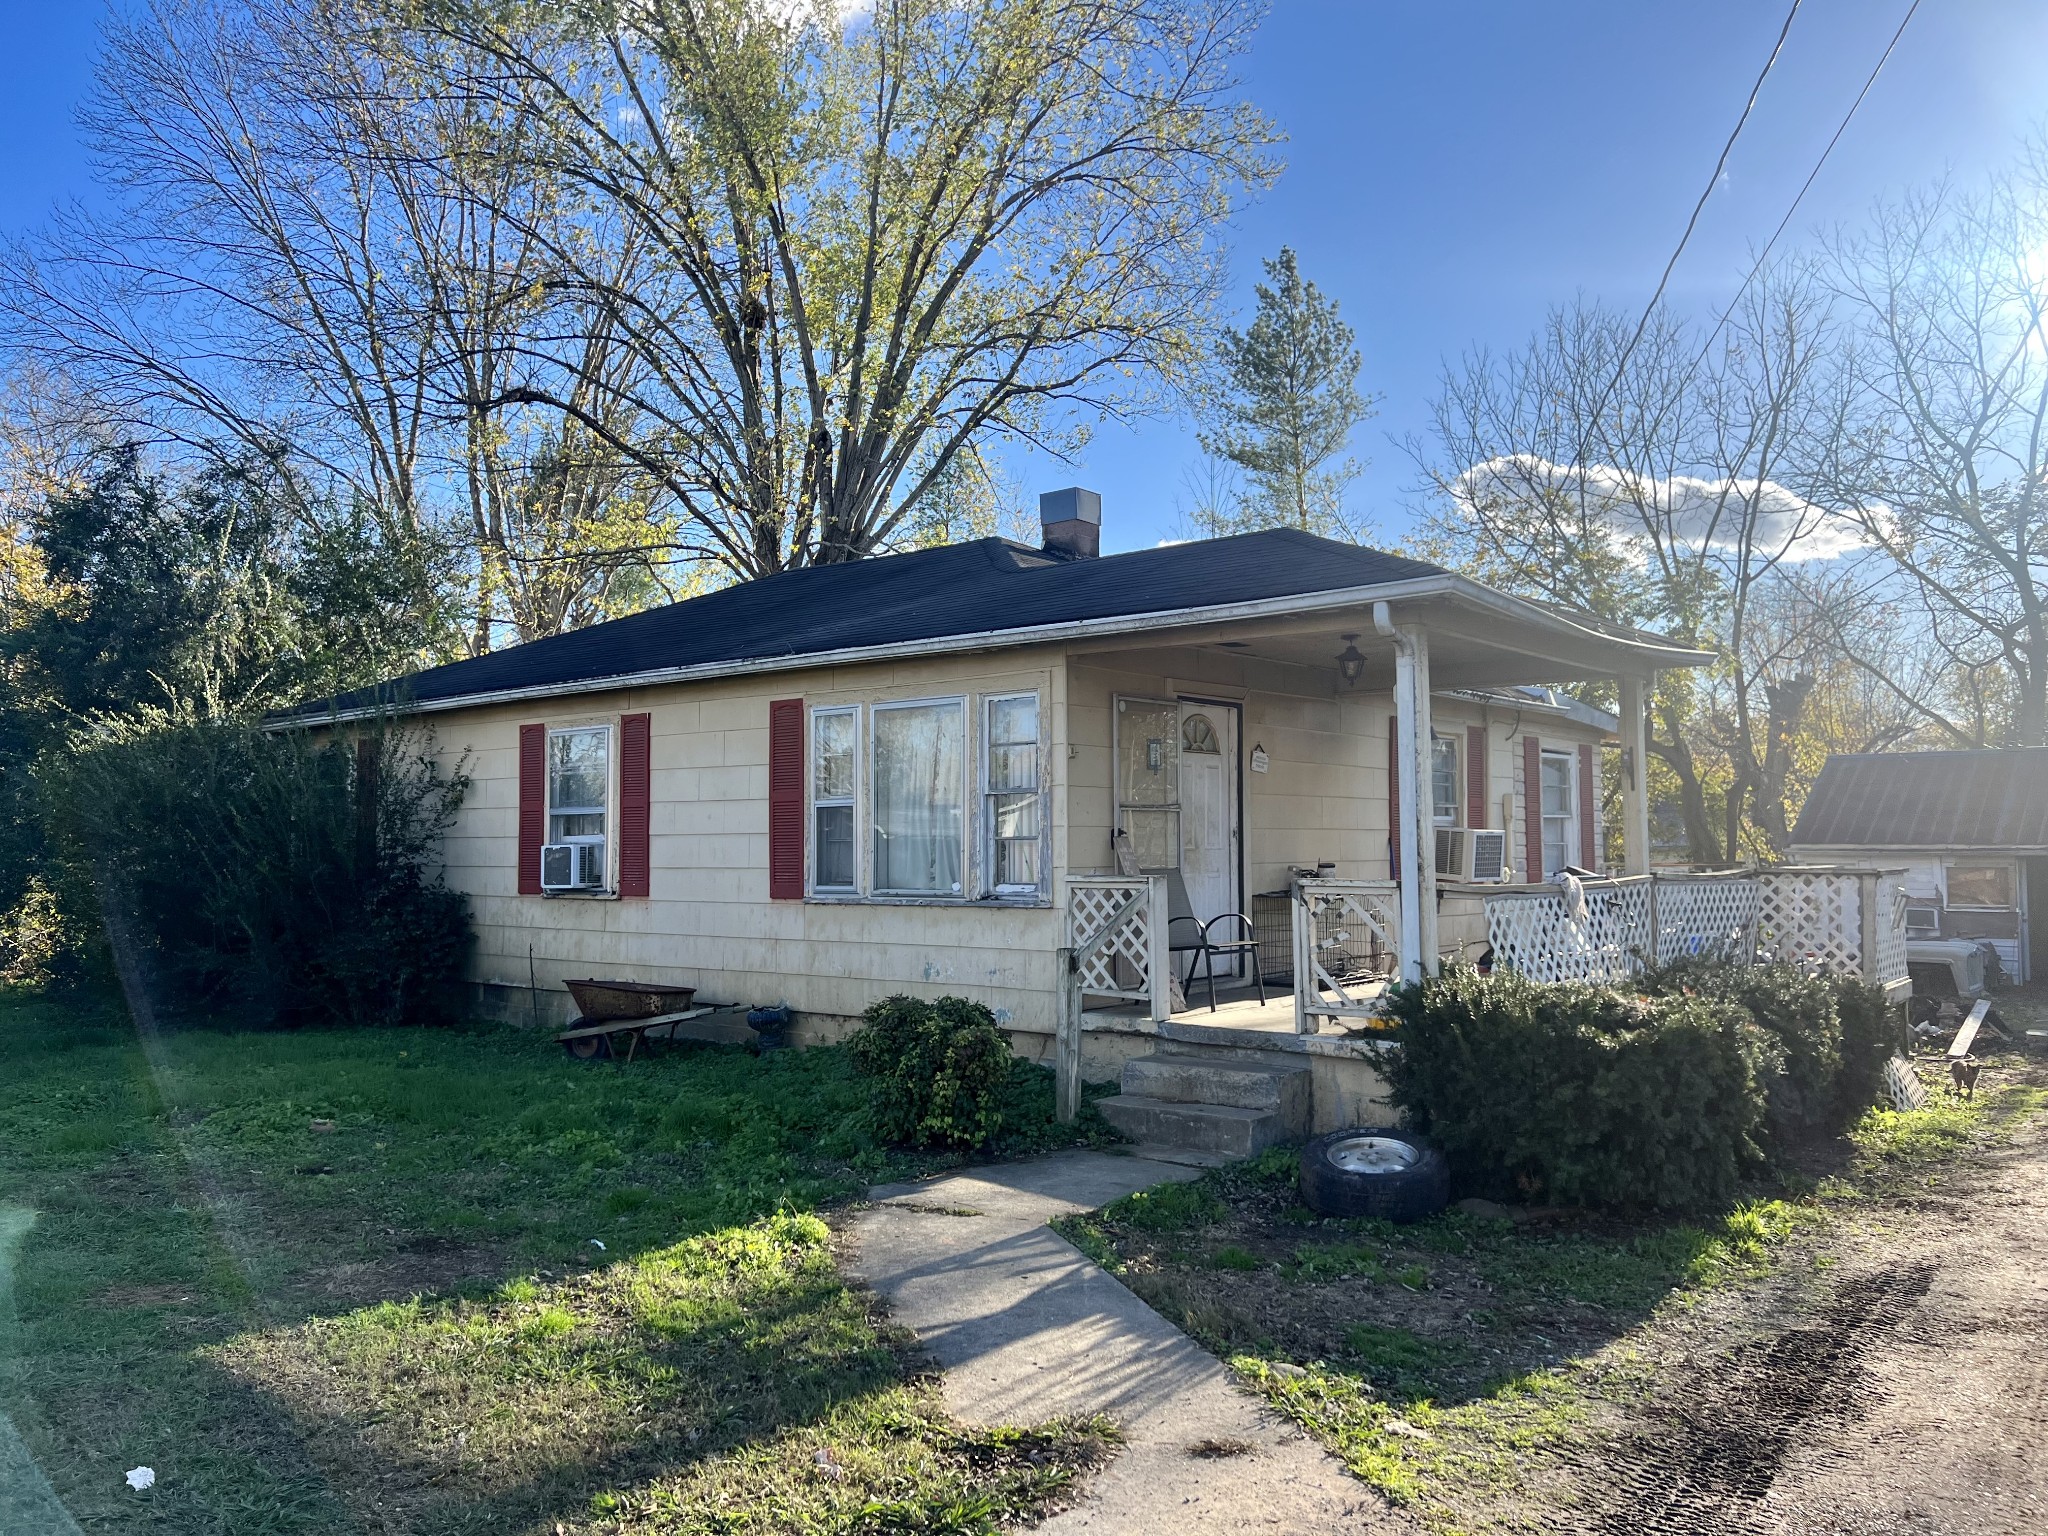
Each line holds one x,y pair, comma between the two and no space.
1374,1171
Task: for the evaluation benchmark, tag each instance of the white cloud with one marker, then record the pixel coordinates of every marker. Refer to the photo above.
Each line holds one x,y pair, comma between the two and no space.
1682,509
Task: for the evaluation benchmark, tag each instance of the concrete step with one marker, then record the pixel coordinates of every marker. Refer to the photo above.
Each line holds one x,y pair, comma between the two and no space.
1209,1079
1226,1129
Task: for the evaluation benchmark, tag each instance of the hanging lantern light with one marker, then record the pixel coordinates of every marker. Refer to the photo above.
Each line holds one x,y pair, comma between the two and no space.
1350,662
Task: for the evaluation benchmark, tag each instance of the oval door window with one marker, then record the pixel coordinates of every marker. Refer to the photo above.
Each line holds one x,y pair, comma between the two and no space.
1198,735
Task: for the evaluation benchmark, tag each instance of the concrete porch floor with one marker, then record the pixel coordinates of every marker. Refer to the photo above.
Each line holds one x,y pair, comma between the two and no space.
1237,1008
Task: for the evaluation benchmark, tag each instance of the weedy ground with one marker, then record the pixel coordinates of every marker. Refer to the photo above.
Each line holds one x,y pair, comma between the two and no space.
1465,1365
400,1281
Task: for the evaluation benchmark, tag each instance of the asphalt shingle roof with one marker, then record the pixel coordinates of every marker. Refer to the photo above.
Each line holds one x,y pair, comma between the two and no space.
955,589
1997,798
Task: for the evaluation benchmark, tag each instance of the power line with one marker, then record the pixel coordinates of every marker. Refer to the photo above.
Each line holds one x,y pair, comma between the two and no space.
1806,186
1720,165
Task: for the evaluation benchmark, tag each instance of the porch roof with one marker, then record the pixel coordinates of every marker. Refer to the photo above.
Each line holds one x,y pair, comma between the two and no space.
1277,590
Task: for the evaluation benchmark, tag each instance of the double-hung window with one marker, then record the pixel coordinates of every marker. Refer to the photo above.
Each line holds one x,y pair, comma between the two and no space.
579,795
1010,792
919,781
1560,813
1443,780
835,778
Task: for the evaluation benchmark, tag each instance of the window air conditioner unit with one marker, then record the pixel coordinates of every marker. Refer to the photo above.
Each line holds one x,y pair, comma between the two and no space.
1478,854
572,867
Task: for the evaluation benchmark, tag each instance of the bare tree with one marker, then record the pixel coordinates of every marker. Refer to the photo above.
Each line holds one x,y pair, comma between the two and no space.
866,241
1943,454
294,271
1667,491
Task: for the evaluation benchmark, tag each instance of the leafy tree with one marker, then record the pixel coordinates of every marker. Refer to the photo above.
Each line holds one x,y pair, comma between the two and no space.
208,598
839,248
1282,411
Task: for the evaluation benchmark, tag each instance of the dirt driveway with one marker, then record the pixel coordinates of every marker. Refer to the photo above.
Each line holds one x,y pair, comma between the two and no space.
1898,1384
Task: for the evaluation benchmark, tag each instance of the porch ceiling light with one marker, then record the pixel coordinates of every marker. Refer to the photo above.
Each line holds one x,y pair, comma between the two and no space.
1350,662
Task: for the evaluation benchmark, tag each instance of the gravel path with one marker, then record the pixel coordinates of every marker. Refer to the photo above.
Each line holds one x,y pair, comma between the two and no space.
1028,1328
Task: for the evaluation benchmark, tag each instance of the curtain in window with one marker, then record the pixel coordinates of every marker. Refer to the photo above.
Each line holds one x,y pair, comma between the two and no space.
1558,811
579,781
1443,781
920,752
832,758
1013,792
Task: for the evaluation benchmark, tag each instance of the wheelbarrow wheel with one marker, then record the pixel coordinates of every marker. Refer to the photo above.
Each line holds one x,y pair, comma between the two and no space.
589,1047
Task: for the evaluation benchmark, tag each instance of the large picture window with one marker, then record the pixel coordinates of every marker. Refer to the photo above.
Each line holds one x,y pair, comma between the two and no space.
1011,793
919,784
579,789
1560,813
835,757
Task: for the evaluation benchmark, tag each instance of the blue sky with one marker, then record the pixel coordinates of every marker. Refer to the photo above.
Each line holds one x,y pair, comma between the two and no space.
1454,168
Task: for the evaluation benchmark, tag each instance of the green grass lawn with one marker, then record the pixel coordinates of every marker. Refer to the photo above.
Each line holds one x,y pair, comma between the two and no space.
452,1282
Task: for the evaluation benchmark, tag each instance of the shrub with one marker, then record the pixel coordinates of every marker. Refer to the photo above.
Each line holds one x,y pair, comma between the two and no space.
1578,1094
1797,1009
282,878
1870,1035
1834,1032
939,1070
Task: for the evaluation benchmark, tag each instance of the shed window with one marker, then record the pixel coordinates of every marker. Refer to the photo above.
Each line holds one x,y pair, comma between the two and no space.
1560,813
579,788
1980,885
835,748
919,783
1444,789
1013,810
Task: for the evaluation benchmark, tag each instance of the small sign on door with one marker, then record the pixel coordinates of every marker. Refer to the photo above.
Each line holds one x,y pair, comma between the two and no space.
1258,759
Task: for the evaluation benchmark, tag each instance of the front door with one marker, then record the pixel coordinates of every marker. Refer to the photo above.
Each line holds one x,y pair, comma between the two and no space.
1208,823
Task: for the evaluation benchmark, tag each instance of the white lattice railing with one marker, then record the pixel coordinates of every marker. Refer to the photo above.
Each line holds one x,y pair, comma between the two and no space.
1131,963
1848,920
1347,944
1705,915
1548,936
1891,936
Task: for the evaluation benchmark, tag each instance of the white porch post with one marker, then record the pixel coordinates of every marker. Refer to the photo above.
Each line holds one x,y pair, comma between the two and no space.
1635,779
1412,816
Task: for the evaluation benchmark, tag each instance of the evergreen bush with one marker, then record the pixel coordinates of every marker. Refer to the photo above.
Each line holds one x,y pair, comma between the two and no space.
1870,1036
1834,1031
939,1070
275,878
1579,1094
1797,1009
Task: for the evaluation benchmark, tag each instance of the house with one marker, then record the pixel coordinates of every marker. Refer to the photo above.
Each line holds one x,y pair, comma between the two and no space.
1970,829
905,775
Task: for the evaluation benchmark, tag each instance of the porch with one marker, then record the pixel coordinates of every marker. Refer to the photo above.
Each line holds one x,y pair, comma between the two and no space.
1310,769
1322,1019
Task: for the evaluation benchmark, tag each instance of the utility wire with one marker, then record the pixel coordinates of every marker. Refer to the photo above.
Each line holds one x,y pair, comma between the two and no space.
1720,165
1805,186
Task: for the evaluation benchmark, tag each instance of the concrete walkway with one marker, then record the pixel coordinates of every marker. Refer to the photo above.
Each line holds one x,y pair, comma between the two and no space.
1027,1329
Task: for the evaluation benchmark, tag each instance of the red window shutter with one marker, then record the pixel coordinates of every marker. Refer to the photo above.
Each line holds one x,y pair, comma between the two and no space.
1532,805
786,800
1394,797
1475,775
636,802
533,805
1589,790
